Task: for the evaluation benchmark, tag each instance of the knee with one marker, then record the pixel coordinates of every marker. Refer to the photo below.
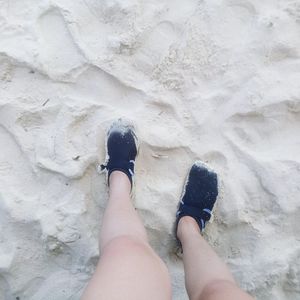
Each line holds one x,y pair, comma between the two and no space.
136,253
133,249
217,289
125,244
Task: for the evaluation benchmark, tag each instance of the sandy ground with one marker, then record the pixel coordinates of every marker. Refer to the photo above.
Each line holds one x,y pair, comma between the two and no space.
213,80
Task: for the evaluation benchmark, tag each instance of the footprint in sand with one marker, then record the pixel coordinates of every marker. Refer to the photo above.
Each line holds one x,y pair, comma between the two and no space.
155,45
58,53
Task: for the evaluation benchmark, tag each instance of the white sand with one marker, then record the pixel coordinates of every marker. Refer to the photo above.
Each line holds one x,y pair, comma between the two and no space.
210,80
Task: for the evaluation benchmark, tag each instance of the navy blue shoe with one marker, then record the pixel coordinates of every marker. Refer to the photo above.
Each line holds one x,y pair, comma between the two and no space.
121,149
199,195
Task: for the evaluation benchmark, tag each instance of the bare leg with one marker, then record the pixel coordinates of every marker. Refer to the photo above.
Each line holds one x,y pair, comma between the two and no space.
128,267
206,276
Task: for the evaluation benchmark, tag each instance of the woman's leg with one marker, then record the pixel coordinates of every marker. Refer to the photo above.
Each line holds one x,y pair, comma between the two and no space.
128,267
206,276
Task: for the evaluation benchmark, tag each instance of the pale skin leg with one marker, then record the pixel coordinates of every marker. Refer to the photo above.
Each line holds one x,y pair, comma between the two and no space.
206,276
128,267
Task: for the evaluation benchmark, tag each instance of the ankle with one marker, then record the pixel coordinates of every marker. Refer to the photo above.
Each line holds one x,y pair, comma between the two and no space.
119,181
187,226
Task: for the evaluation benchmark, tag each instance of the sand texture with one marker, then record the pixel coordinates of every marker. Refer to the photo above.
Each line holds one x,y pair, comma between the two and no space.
214,80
